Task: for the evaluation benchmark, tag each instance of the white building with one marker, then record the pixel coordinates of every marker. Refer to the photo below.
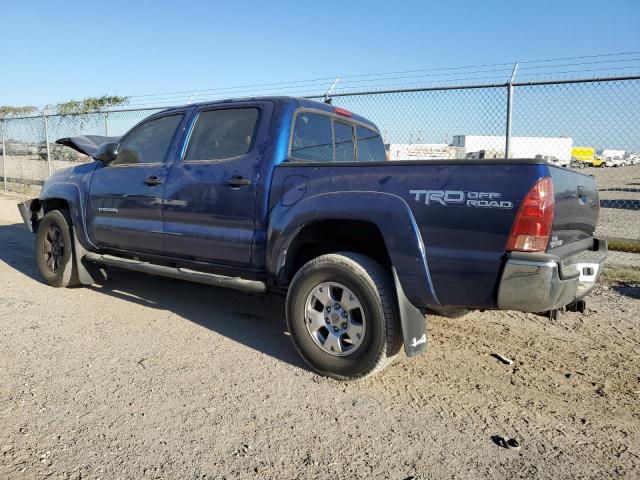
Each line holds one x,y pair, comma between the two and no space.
520,147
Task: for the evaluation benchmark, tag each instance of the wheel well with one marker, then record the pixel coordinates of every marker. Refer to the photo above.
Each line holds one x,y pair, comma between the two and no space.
39,208
54,204
327,236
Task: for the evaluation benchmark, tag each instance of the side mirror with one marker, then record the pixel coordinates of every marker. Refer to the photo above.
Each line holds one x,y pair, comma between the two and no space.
107,152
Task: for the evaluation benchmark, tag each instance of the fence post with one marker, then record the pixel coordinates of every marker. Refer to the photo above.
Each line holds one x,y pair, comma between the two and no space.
46,139
4,160
507,141
106,123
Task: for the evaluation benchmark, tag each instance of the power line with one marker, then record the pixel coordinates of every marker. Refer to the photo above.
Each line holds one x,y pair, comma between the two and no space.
380,80
373,85
369,83
434,69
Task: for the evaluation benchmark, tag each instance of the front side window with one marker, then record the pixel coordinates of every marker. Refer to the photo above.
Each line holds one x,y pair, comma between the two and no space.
345,151
221,134
148,143
312,138
370,146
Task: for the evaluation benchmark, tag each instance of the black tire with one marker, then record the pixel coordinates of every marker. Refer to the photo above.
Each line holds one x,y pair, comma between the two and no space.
59,269
373,287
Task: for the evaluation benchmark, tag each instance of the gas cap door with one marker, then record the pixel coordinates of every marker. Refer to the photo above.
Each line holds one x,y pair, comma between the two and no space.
294,187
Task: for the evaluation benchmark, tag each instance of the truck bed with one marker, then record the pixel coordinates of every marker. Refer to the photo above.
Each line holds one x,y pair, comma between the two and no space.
464,211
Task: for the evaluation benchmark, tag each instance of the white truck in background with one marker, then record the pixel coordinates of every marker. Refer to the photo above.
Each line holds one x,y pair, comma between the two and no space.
557,150
613,158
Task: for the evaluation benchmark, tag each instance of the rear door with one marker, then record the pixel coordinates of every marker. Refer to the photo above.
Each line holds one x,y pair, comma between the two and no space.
210,196
124,209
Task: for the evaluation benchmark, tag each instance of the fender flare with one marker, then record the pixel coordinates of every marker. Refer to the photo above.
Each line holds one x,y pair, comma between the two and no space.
88,273
70,192
393,217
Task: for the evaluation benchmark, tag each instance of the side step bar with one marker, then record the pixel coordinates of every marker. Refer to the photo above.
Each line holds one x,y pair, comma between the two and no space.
237,283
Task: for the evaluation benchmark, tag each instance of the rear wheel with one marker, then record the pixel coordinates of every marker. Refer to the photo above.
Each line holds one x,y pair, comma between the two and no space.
54,249
342,316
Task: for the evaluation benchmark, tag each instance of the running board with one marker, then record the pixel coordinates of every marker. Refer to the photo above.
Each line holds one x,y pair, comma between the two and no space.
237,283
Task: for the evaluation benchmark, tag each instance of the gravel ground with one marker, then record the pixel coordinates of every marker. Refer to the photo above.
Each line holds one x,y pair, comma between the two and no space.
147,377
619,190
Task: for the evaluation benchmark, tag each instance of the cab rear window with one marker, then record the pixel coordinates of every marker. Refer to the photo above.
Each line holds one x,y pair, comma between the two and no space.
312,138
344,141
370,146
322,138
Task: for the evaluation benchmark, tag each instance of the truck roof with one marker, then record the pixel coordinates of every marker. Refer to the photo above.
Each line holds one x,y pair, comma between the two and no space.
299,101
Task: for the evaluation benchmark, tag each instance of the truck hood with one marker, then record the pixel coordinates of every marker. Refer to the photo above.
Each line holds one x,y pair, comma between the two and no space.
87,144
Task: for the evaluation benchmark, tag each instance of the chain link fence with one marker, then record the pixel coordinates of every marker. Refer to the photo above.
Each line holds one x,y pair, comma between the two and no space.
592,125
30,154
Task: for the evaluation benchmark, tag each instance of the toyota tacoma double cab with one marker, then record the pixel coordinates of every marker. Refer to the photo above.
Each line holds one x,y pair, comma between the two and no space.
281,193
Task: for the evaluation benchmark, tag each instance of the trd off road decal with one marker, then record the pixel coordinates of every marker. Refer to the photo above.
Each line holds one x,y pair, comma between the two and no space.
448,198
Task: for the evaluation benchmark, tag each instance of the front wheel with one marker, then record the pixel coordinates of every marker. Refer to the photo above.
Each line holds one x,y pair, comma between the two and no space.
342,315
54,249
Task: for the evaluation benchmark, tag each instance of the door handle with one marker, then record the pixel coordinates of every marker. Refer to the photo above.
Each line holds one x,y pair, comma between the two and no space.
237,182
153,180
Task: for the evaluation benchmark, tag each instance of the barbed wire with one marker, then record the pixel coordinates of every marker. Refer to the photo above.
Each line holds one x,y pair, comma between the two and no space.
424,77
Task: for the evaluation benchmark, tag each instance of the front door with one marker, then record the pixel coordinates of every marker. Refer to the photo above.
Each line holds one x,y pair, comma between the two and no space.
210,196
124,210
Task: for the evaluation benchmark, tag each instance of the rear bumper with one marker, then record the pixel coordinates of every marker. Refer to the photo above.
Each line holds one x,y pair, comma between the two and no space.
543,284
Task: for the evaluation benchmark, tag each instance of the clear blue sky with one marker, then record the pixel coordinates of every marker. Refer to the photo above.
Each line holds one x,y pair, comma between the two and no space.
54,51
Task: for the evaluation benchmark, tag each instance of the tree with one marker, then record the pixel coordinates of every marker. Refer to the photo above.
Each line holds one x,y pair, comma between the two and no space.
7,111
89,105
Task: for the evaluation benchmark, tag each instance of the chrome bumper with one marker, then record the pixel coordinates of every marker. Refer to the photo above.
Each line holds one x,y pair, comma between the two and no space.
540,286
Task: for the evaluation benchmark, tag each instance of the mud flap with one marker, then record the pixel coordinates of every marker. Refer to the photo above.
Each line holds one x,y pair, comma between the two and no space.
413,321
88,273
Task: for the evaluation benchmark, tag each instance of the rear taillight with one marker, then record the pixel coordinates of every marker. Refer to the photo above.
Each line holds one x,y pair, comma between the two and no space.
532,226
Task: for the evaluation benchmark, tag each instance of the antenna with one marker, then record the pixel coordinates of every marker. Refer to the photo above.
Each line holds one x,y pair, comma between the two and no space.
327,95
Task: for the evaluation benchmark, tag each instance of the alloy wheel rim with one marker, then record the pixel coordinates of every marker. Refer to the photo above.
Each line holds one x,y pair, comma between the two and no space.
53,248
335,319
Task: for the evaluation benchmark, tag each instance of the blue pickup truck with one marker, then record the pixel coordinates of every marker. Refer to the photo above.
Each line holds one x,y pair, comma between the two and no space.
281,193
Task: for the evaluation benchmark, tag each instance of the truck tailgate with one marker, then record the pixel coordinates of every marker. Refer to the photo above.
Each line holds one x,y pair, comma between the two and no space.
576,212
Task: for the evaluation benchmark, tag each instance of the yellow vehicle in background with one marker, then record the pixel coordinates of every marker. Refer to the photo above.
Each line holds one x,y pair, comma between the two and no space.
585,157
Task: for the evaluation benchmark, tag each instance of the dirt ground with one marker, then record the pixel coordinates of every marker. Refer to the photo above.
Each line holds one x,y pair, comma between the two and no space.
619,191
147,377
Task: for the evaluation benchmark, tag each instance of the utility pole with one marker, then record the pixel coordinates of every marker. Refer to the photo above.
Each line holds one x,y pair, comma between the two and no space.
46,140
507,143
4,159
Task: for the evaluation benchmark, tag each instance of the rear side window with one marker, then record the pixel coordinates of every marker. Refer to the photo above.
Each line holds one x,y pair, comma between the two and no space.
370,146
345,151
148,143
312,138
221,134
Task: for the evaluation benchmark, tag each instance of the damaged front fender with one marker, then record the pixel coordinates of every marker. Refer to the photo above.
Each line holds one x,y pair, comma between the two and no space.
29,211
